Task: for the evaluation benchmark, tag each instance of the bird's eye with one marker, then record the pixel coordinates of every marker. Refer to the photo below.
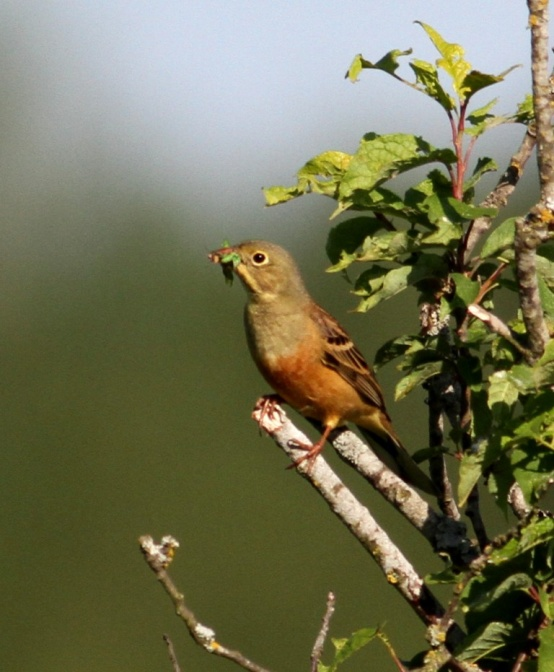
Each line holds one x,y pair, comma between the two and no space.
259,258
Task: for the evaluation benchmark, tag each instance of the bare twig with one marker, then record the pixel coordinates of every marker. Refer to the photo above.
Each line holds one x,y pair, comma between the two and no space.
495,324
395,566
317,651
473,512
158,557
517,501
442,401
172,654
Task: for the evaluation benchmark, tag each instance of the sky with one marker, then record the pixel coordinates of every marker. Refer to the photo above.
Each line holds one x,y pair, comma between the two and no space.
203,103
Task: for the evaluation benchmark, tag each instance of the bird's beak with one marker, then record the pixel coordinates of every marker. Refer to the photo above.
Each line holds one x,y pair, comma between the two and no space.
228,258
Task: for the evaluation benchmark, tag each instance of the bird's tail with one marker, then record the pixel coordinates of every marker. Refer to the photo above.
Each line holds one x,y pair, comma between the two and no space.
391,452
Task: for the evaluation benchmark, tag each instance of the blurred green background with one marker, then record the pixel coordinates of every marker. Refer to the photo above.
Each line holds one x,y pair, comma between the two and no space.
135,137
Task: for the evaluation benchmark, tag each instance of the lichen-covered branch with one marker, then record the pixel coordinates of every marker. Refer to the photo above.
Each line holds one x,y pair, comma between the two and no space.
531,231
542,96
398,571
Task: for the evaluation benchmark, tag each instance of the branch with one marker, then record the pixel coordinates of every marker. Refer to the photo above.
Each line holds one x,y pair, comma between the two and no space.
395,566
158,557
531,231
542,97
499,196
496,325
317,651
446,535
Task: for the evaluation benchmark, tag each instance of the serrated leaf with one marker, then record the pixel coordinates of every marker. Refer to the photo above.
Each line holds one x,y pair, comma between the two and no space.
388,246
499,239
320,175
381,157
416,377
486,640
503,394
280,194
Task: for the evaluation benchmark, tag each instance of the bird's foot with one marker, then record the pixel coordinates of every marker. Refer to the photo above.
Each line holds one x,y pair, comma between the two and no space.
267,409
312,451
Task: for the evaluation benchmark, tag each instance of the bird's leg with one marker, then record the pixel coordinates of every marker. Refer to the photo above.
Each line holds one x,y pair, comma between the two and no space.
312,451
266,408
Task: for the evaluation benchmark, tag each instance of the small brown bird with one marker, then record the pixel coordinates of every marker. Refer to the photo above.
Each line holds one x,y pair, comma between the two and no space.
308,358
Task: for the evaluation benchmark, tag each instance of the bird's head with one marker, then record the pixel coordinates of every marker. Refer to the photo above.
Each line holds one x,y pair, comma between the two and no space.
266,270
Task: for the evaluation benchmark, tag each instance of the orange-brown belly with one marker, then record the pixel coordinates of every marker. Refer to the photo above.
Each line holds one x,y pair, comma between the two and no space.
313,389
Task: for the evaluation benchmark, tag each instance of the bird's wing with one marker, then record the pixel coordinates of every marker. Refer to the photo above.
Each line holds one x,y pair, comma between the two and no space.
341,355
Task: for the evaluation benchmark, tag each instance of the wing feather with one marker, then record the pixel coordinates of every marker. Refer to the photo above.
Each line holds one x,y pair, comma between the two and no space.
341,355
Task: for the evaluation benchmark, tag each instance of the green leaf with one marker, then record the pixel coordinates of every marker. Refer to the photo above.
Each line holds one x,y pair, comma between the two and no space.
381,157
396,348
345,238
320,175
525,111
466,290
452,61
378,284
546,649
346,647
428,79
388,63
486,640
388,246
475,80
538,532
279,194
392,283
499,239
416,377
484,166
471,470
503,394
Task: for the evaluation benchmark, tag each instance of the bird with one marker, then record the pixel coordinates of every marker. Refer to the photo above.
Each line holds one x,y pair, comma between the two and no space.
307,357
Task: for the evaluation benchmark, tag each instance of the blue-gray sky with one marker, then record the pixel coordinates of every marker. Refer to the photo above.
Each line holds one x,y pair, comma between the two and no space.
205,102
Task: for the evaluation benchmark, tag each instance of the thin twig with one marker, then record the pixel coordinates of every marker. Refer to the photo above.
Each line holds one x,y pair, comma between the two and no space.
473,512
517,501
158,557
495,324
317,651
499,196
172,654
